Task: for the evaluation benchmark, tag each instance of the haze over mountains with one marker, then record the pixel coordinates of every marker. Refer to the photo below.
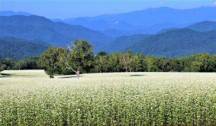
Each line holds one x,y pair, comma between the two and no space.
179,42
150,20
204,26
158,31
40,28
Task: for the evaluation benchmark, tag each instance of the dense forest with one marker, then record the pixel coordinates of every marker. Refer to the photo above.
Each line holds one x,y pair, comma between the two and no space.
81,57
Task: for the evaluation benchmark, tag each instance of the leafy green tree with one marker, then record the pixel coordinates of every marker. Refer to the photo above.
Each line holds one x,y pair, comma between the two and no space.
139,63
53,60
1,67
29,63
6,64
101,62
102,54
211,64
152,64
203,63
169,65
132,62
126,61
196,66
114,63
82,56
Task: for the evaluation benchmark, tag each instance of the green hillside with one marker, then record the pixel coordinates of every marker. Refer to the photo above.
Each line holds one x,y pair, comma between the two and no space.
19,48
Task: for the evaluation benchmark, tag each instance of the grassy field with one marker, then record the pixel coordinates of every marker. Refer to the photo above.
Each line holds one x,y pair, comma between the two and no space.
112,99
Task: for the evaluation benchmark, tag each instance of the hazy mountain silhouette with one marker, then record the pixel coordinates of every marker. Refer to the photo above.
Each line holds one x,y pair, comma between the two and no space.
55,33
146,21
170,43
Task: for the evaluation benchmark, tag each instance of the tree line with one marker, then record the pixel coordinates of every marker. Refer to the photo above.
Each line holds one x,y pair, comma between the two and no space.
80,57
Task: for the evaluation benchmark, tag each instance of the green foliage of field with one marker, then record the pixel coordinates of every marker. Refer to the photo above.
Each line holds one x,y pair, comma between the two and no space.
109,99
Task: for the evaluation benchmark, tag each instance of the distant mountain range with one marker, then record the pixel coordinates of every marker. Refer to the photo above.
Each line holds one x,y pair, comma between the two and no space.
150,20
204,26
55,33
197,38
19,48
157,31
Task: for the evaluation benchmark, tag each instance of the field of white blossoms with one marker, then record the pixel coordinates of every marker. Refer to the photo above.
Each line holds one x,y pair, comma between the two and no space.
30,98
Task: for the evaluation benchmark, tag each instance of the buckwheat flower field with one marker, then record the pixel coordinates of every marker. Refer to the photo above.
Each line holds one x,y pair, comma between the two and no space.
30,98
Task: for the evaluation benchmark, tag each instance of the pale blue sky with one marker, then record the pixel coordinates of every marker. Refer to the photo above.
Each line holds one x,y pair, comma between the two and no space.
78,8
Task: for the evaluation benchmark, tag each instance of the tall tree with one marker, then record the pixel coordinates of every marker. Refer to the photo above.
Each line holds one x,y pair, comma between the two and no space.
152,65
139,63
101,62
53,60
126,60
114,63
82,56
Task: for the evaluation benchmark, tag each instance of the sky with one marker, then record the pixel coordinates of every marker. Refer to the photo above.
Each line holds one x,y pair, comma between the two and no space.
82,8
